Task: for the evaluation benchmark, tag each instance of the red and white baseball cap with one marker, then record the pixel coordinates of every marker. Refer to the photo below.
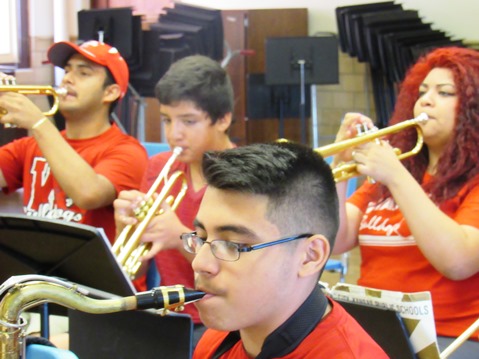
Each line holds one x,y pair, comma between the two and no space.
98,52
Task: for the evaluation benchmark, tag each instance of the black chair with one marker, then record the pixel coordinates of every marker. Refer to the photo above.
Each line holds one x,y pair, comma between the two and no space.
161,52
343,14
192,34
385,326
209,19
390,39
375,30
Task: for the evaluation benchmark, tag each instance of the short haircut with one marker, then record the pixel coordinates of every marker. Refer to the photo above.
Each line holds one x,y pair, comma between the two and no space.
298,183
200,80
109,80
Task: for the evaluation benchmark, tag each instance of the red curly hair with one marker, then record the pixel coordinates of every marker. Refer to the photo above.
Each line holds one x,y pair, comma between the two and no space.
459,163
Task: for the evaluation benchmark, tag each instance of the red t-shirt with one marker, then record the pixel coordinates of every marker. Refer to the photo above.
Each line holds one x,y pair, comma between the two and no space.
173,267
337,336
113,154
390,258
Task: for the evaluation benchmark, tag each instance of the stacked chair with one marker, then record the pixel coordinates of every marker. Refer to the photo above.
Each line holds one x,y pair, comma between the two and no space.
389,39
179,32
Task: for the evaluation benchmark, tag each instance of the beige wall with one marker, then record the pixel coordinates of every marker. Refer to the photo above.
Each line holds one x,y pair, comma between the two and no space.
458,17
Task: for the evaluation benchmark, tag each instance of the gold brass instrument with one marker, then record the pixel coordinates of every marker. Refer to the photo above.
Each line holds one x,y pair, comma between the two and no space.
20,293
348,170
127,247
460,340
33,90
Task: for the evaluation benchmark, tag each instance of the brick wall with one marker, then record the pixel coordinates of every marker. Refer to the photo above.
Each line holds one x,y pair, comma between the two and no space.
352,94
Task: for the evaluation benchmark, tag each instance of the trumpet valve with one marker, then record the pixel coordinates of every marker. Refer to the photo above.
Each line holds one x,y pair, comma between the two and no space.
142,209
8,81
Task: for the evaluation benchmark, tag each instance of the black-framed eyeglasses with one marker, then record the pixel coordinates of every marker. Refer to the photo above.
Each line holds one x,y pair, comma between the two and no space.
226,250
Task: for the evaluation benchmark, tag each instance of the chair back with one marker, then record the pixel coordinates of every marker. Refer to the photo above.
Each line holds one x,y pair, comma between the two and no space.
153,148
414,309
40,351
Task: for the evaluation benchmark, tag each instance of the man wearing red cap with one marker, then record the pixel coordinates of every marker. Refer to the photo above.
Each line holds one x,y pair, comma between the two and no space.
74,174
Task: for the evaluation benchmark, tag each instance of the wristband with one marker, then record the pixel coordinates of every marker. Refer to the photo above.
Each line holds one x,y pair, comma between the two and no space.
39,122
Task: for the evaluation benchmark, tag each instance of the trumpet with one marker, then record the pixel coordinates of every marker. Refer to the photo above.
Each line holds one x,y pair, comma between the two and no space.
348,170
33,90
128,247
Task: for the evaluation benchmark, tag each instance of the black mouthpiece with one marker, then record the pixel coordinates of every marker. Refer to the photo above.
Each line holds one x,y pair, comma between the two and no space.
168,297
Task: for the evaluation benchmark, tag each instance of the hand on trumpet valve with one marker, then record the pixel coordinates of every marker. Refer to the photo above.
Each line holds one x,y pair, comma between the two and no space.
163,232
125,206
379,162
7,80
17,110
352,125
142,209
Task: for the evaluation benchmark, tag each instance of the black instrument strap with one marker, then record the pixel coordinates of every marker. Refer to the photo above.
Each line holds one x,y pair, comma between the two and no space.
231,339
290,334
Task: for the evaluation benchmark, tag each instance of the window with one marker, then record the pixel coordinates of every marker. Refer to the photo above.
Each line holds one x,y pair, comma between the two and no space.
8,48
14,47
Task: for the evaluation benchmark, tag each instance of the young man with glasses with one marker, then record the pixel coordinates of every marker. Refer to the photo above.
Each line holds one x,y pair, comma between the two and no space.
269,218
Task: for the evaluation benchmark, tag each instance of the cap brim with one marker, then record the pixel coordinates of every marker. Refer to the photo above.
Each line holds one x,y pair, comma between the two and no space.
60,52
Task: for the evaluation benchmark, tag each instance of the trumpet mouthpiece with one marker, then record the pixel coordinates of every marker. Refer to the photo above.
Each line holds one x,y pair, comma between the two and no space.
177,150
422,117
61,91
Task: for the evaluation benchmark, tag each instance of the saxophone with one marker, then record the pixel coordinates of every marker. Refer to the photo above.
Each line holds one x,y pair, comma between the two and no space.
20,293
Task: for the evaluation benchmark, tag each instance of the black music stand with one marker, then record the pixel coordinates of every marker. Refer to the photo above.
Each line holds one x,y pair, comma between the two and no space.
304,61
74,252
131,334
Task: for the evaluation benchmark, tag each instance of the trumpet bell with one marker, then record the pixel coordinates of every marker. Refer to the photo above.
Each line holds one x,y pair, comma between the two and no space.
128,247
348,170
34,90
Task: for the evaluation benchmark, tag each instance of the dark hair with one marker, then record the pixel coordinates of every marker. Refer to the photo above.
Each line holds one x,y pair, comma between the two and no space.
297,181
459,162
200,80
109,80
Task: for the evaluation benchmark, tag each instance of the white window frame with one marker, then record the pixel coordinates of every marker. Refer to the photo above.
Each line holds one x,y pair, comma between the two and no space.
8,28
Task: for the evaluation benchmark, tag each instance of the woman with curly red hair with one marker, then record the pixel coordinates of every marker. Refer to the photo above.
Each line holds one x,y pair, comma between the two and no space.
417,223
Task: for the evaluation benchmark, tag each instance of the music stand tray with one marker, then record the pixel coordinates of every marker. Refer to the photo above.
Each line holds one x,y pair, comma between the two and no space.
74,252
131,334
320,54
302,61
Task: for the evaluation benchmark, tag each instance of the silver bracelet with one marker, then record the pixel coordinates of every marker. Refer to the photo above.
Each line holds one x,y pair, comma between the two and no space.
39,122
